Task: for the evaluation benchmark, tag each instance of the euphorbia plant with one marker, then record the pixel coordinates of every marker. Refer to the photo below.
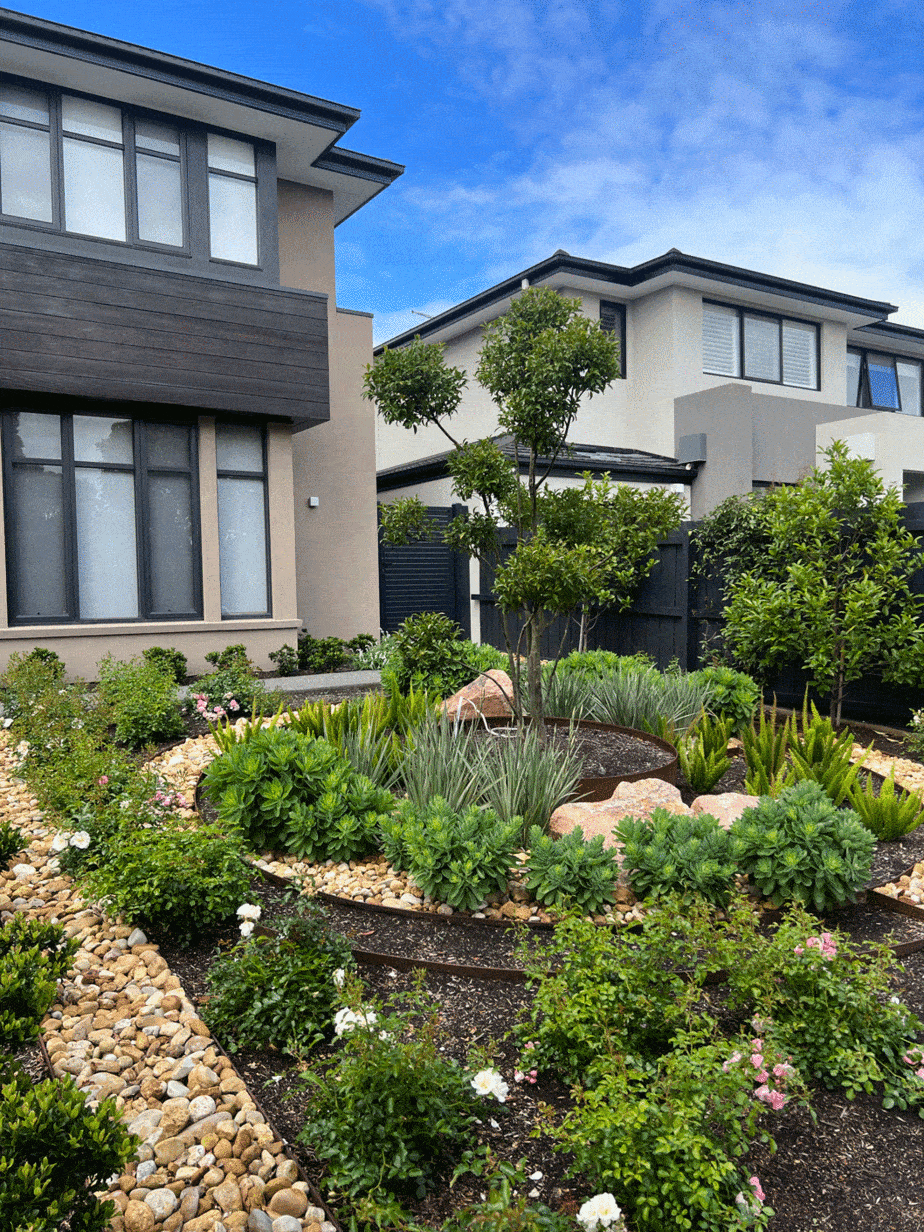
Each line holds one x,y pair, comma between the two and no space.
538,362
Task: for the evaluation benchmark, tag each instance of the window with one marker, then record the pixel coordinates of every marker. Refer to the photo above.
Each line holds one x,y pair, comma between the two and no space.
243,530
883,382
101,518
613,321
86,167
759,347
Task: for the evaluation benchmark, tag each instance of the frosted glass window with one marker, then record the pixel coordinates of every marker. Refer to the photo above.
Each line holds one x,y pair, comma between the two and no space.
242,546
24,103
883,386
800,355
720,340
762,348
106,553
25,172
239,448
909,385
35,435
233,219
170,536
37,576
94,190
90,119
160,201
162,138
853,378
168,445
226,154
102,440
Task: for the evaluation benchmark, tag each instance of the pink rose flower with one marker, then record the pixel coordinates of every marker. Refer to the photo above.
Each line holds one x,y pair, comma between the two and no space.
758,1192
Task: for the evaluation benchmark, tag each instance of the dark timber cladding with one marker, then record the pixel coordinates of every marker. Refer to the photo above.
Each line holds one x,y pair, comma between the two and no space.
105,330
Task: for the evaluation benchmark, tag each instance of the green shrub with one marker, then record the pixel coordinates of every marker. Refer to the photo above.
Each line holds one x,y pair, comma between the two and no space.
282,790
228,657
506,1208
431,655
33,957
172,880
279,990
322,654
455,858
171,661
569,870
56,1152
394,1115
142,699
703,754
637,695
12,840
891,814
286,660
733,697
376,655
442,758
517,776
800,848
667,854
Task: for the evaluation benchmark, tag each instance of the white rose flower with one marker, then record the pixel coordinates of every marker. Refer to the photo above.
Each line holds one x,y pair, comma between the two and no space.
489,1082
246,928
249,911
59,842
80,839
345,1020
599,1212
339,977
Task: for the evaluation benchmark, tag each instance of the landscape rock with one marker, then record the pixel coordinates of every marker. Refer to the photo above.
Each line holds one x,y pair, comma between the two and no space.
726,807
288,1202
638,799
139,1217
488,696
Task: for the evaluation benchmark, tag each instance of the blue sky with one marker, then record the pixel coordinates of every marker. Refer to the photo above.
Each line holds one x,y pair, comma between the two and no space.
786,137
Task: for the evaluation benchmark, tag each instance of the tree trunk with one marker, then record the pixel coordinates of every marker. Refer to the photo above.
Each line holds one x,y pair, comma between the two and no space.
534,677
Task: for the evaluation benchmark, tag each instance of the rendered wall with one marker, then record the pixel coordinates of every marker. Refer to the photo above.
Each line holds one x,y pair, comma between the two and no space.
336,543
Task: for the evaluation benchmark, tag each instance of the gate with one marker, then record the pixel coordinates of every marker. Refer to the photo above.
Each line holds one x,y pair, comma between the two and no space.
424,577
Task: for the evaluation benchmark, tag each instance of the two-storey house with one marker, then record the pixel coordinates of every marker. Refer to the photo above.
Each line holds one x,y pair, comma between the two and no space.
186,455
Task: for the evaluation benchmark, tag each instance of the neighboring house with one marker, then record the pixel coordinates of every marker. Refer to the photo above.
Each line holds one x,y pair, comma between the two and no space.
731,380
187,458
743,375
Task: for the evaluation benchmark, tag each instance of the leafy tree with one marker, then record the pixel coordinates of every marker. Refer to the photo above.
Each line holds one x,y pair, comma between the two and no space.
574,549
832,590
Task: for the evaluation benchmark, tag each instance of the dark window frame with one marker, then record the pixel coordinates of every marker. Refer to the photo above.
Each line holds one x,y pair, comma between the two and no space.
141,470
613,321
779,318
194,256
224,473
864,389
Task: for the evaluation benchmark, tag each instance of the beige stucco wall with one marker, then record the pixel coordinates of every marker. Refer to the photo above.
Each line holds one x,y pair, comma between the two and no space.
893,443
335,543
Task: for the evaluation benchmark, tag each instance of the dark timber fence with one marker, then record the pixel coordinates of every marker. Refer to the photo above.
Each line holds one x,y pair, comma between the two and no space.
676,615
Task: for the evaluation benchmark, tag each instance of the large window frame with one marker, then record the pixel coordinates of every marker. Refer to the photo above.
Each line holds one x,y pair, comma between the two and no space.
745,371
246,476
194,255
142,468
870,369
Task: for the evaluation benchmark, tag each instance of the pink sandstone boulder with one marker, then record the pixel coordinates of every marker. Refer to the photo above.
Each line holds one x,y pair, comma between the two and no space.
726,807
638,799
487,695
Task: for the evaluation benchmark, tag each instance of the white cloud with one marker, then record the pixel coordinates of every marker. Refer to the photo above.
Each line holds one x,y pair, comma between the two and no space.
752,133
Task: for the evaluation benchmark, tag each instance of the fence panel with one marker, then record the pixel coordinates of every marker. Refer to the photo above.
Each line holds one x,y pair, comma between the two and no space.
424,577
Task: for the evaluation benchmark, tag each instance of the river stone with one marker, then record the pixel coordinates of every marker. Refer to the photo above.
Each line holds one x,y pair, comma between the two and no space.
175,1118
259,1221
177,1090
288,1202
287,1223
228,1197
146,1123
144,1170
189,1202
168,1150
139,1217
201,1106
163,1202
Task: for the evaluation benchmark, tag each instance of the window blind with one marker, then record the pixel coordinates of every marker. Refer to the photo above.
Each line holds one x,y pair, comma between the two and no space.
720,341
800,355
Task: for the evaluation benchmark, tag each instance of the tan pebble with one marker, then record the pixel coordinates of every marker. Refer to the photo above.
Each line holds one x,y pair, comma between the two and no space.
213,1177
288,1202
139,1217
228,1196
222,1149
173,1223
234,1167
227,1130
236,1221
252,1193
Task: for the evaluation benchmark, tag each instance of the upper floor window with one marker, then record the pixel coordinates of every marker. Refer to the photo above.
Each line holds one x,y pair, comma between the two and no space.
89,168
613,321
740,343
883,382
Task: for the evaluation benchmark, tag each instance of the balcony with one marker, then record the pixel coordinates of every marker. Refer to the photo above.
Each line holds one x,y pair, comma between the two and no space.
98,329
